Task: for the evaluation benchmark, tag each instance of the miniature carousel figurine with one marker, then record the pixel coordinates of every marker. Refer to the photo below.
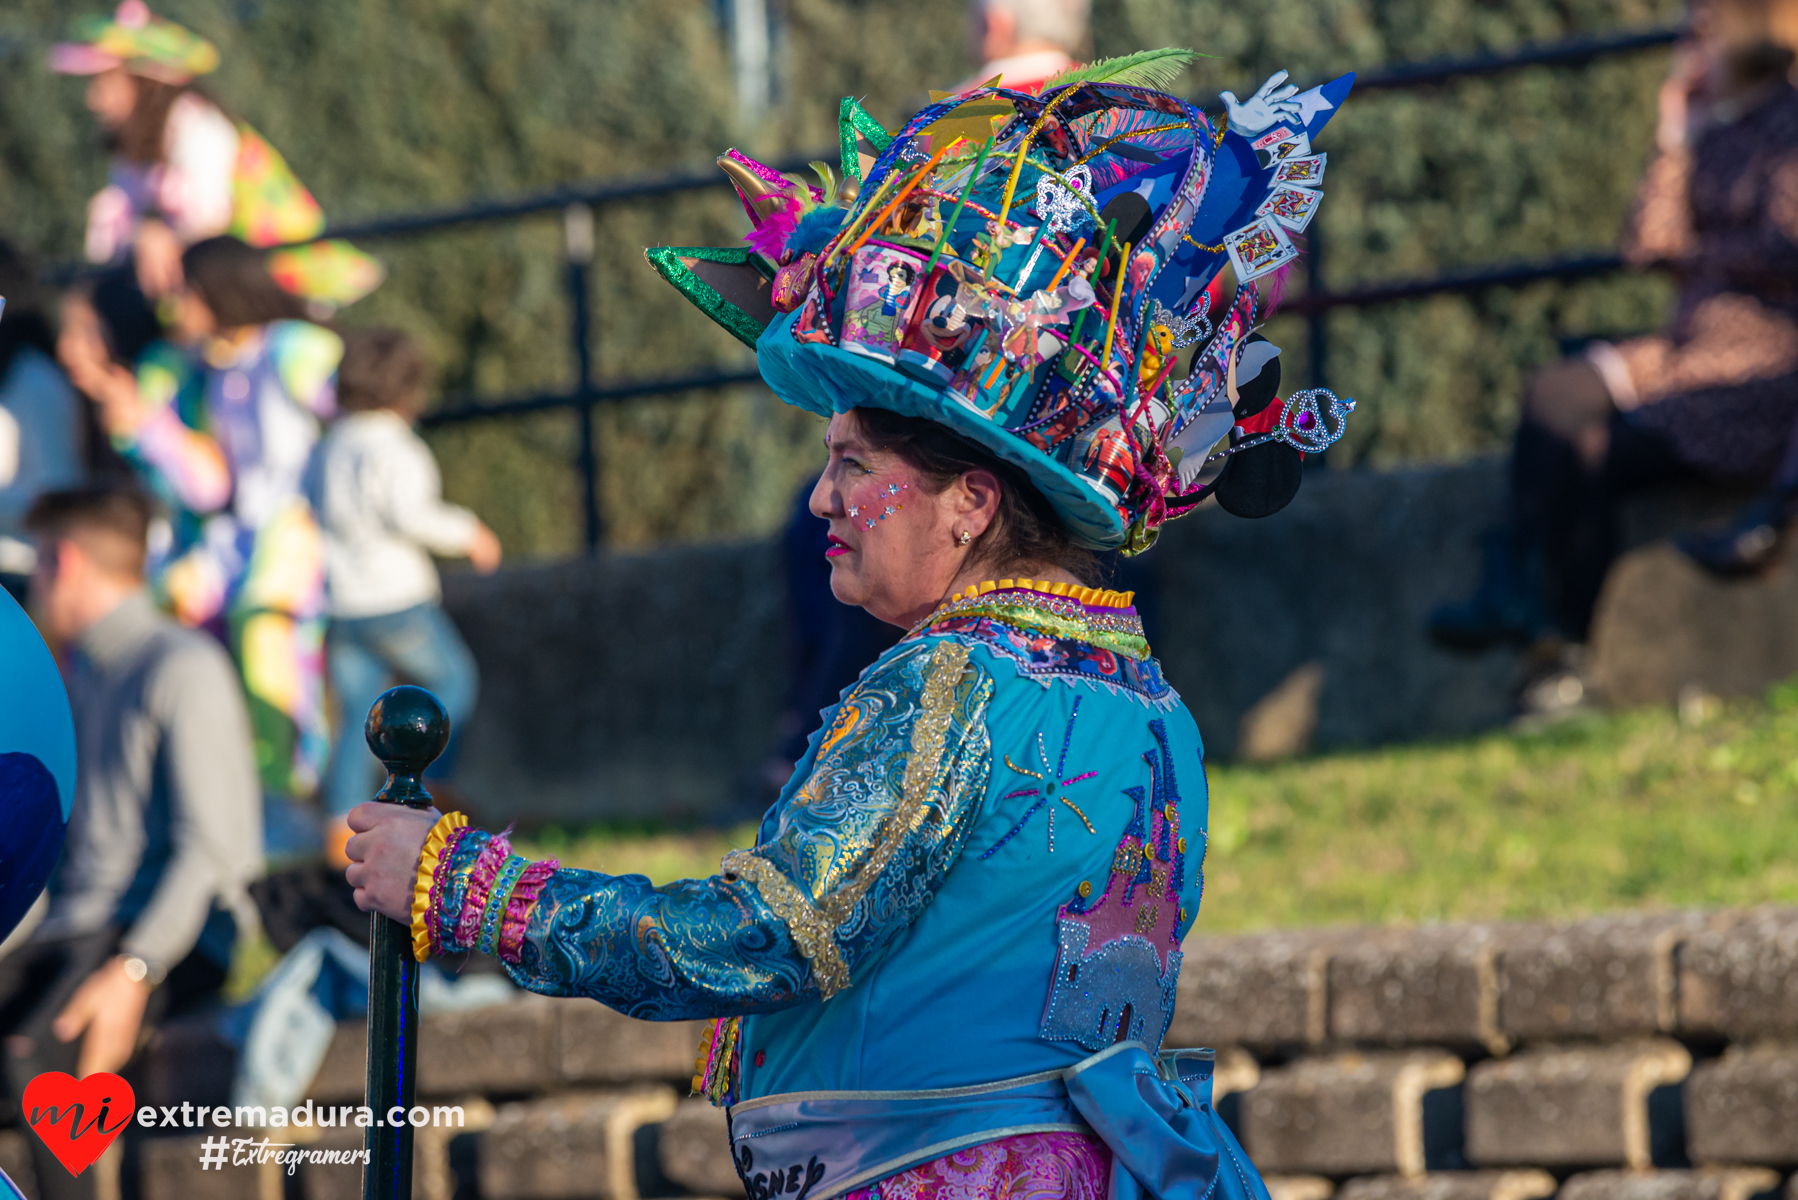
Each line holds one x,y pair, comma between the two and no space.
949,960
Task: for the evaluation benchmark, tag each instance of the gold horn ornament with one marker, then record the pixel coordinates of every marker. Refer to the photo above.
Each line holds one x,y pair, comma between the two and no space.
763,198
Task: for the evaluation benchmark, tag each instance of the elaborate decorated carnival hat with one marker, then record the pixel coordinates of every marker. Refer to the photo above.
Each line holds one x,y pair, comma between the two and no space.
138,40
1042,274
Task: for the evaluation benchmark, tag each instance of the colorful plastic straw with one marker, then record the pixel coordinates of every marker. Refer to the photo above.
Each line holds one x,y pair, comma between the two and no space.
959,205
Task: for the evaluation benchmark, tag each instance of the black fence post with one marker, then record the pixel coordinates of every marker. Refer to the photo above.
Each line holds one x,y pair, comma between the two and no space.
407,729
1317,319
577,232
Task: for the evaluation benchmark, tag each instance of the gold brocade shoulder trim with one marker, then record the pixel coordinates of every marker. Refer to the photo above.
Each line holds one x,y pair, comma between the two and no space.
1059,610
810,931
447,824
813,925
928,737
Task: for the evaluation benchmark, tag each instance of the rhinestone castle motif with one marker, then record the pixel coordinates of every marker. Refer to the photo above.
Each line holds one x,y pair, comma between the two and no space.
1119,956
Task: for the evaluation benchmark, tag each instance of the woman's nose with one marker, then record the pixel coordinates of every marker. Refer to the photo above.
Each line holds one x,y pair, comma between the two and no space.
823,500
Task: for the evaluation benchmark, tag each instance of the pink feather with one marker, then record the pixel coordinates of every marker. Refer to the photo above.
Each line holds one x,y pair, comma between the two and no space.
769,239
1275,289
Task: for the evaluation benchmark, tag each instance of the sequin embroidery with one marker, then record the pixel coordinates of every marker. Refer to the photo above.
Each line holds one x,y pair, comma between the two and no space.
1049,790
1047,658
1118,957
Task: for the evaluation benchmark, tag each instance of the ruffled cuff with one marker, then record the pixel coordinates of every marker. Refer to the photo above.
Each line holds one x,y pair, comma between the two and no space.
433,869
487,896
519,905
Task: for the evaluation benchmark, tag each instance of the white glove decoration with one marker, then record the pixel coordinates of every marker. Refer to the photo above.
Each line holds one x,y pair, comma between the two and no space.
1271,103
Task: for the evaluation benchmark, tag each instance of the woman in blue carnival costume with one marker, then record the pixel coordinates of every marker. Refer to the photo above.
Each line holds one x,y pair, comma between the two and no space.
949,960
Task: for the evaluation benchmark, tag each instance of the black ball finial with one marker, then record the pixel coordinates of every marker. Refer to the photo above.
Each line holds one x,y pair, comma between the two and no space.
407,729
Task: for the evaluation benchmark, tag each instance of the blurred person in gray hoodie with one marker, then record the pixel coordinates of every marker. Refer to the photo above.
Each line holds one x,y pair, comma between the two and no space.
165,831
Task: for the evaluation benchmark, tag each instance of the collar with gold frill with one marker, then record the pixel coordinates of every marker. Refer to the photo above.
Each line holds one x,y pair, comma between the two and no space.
1097,616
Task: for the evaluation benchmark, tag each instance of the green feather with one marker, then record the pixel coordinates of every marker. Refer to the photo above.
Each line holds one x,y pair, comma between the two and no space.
1157,69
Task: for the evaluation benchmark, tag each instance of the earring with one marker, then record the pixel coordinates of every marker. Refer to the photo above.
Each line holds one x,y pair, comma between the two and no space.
965,538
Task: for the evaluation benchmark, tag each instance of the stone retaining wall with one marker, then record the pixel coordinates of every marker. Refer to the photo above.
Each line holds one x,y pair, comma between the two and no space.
1631,1057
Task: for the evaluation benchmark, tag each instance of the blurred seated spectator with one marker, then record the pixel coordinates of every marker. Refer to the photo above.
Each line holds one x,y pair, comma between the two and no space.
1715,396
165,829
40,416
379,499
1026,41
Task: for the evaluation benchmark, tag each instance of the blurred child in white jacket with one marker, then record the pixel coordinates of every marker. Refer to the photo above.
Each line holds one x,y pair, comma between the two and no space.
379,499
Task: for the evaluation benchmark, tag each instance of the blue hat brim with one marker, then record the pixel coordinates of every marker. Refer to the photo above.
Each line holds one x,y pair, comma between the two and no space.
823,379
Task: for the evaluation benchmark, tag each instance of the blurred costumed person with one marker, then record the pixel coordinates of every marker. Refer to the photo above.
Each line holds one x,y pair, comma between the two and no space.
949,961
112,345
1026,42
184,170
1715,396
229,444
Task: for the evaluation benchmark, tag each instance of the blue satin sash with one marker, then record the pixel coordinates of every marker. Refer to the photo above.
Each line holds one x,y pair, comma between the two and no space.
1152,1111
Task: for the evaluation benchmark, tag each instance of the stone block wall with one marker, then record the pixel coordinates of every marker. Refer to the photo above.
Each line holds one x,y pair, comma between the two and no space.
1629,1057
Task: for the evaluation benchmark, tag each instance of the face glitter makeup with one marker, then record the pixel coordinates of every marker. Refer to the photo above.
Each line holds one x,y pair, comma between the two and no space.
890,490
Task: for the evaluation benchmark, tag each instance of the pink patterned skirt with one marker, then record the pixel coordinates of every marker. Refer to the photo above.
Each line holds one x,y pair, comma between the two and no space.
1030,1166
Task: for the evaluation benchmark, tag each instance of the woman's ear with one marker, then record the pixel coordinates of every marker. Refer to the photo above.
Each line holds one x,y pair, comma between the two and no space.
977,500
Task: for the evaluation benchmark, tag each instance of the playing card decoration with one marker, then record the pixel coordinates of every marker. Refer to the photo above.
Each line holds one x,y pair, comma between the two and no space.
1291,206
1259,248
1301,172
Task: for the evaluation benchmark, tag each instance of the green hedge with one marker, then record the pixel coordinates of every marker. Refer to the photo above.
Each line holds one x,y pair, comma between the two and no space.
420,103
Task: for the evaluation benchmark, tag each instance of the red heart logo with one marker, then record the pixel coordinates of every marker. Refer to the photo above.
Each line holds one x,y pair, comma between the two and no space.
76,1117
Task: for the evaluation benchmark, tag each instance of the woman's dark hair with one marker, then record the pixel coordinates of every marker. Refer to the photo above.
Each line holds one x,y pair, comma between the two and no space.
382,368
1026,531
127,319
140,139
232,278
128,326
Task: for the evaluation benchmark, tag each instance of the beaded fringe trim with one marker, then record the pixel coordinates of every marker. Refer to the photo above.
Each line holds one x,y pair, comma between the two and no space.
715,1068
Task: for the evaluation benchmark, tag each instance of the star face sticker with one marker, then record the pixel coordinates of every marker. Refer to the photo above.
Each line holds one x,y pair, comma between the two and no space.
1049,790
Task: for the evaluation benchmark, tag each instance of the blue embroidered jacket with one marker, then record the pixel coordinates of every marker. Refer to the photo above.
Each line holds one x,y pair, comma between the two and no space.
980,869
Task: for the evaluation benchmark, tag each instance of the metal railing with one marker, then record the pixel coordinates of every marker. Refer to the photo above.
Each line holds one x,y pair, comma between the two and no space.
576,203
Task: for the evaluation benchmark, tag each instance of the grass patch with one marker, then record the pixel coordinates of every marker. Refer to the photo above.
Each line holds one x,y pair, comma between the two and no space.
1604,812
